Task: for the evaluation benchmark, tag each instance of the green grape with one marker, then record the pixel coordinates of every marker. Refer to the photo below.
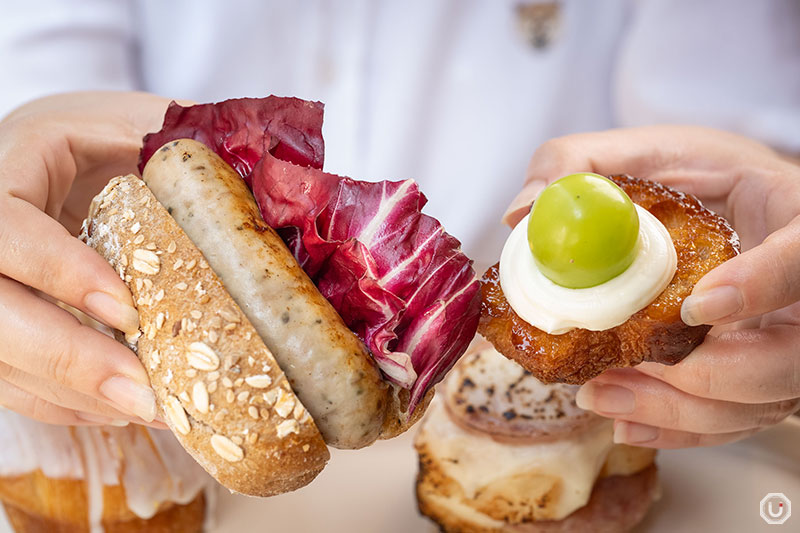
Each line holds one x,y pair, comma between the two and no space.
583,231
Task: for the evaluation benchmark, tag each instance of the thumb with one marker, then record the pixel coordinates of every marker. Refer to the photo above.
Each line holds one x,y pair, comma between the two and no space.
521,204
761,280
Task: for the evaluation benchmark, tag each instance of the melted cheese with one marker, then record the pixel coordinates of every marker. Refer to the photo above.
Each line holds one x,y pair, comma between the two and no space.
476,461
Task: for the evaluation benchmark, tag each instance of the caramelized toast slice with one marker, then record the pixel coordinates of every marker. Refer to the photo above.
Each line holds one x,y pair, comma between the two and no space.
703,241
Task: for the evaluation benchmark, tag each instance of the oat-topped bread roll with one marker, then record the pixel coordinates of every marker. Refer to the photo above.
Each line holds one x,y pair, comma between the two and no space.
504,452
219,387
95,479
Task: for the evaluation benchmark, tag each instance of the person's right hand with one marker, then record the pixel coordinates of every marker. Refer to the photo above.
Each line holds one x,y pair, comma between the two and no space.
745,376
56,153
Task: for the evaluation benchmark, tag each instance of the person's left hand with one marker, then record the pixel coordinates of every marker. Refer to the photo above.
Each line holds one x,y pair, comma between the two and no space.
745,376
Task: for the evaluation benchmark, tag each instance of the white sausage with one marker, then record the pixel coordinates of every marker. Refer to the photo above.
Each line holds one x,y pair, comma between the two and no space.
327,365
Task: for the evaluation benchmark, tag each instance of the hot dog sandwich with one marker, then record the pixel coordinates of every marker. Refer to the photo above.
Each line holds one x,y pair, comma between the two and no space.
281,308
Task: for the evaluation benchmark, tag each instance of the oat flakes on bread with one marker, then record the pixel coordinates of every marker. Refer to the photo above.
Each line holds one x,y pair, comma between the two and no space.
703,240
218,386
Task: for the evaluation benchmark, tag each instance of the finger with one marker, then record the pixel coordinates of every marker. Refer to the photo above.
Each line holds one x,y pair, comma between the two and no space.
71,144
48,342
95,419
616,151
627,394
32,406
763,279
144,111
40,253
58,394
555,158
679,153
608,152
685,157
521,204
655,437
747,366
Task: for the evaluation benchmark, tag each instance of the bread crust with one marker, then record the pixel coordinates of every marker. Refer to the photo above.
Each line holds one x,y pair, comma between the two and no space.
35,503
703,240
398,420
218,386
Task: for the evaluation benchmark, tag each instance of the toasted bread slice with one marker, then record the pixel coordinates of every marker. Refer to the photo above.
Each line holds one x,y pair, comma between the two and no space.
703,240
617,503
492,394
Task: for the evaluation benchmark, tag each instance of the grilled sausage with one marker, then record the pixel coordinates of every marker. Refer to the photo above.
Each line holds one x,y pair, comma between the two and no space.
327,365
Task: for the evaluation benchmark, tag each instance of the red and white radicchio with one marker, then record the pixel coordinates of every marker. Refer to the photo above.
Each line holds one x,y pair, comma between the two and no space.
398,280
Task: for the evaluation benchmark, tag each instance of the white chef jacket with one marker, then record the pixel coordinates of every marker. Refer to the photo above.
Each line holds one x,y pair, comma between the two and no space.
447,92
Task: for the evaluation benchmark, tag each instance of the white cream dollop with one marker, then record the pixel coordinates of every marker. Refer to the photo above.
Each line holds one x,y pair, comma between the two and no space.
556,309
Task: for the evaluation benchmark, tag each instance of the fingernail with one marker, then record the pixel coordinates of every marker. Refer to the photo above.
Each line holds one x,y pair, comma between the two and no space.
129,396
608,399
711,305
99,419
111,311
523,200
632,433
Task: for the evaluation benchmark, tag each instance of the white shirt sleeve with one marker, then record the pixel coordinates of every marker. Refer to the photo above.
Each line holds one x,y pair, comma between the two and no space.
49,46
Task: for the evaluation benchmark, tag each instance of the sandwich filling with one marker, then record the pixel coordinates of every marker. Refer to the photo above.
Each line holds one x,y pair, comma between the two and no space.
481,465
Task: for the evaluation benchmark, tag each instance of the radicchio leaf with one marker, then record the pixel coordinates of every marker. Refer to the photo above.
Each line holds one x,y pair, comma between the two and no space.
241,130
396,278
